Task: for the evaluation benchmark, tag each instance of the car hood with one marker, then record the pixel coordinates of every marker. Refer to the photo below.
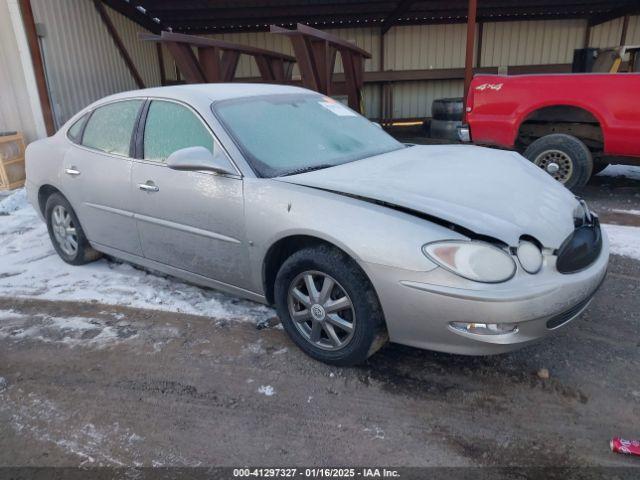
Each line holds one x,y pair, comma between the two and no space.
491,192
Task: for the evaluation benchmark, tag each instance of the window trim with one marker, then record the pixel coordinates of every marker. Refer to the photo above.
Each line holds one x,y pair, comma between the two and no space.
84,118
138,154
91,111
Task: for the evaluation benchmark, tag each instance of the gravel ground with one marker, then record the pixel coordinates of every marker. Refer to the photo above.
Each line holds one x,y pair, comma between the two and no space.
90,384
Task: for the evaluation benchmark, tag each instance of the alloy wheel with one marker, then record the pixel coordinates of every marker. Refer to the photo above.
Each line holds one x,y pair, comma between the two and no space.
556,163
64,230
321,310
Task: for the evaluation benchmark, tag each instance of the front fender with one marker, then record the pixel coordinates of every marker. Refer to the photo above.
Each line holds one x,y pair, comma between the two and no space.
369,233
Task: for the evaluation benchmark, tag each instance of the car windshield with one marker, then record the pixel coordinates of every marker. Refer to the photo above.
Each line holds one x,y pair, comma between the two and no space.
288,134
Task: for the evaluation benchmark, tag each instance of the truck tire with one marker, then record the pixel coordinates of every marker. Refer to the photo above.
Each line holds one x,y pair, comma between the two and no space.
564,157
447,109
445,129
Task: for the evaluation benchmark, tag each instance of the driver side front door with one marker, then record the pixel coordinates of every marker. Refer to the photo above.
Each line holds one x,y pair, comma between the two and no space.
193,221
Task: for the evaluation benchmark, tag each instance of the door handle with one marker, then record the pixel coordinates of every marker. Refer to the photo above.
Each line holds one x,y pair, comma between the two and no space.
148,187
72,171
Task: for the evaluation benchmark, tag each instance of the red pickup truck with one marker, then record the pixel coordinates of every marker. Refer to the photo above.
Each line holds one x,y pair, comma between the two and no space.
570,125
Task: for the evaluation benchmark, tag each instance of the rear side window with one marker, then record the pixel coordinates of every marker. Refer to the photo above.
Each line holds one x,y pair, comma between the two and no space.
171,127
110,127
76,129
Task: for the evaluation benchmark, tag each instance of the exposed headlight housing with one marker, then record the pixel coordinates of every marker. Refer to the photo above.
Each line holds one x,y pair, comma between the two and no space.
473,260
530,257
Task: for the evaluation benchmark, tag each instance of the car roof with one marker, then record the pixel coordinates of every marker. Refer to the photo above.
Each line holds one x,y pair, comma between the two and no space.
210,91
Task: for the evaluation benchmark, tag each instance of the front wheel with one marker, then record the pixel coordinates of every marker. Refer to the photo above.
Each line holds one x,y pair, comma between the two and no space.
564,157
328,306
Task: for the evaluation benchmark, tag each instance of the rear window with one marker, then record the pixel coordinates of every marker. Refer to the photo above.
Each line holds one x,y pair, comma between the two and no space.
110,127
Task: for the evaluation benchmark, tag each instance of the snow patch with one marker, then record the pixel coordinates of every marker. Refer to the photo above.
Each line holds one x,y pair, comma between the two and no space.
13,202
267,390
628,171
45,421
31,268
624,240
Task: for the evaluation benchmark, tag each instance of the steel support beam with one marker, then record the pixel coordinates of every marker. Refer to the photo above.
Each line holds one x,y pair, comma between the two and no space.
471,36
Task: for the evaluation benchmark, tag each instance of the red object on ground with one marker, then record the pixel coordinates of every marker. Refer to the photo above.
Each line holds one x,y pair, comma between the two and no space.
498,105
628,447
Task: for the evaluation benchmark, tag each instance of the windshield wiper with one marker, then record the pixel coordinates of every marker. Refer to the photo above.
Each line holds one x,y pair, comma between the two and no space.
307,169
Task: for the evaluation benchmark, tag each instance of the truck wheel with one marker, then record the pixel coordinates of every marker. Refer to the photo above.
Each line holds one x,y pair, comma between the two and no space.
564,157
447,109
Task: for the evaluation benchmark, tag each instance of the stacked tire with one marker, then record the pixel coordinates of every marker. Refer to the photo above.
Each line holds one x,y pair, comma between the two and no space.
446,116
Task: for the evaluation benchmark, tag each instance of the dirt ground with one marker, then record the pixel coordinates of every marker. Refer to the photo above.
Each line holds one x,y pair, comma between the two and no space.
89,384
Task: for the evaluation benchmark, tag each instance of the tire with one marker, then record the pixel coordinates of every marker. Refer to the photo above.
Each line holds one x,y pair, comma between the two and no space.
445,129
598,167
568,152
364,313
58,213
447,109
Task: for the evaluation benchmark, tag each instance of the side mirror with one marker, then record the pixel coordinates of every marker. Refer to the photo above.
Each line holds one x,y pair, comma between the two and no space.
197,158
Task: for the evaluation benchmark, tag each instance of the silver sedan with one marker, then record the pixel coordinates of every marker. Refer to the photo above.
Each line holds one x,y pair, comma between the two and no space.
287,197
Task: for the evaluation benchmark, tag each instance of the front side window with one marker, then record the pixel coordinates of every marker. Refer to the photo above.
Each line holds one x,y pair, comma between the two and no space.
110,127
171,127
291,133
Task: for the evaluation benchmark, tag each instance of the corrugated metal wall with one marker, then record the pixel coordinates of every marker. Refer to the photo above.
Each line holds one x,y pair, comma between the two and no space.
83,64
81,60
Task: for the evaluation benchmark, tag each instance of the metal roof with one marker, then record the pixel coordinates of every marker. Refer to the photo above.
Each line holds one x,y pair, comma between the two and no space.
213,16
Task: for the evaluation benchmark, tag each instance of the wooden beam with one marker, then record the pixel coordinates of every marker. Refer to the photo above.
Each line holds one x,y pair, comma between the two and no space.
403,7
631,8
186,62
229,64
587,35
111,29
471,37
625,28
209,58
163,74
38,67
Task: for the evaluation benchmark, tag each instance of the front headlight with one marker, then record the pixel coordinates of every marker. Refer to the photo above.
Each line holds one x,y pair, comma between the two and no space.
473,260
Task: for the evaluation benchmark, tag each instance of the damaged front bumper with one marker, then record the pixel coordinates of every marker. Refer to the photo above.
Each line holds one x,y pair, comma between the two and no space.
421,308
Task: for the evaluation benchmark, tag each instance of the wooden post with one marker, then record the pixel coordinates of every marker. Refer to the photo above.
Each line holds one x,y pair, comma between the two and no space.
625,28
163,75
38,67
587,35
468,63
113,33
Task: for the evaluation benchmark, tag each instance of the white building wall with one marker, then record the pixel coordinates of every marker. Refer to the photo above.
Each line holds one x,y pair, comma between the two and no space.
18,110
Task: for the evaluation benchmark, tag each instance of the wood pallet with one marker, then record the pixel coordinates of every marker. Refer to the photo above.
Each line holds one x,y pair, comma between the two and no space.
12,173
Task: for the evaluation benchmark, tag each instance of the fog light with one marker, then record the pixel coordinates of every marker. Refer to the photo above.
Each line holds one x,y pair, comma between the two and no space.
485,328
530,257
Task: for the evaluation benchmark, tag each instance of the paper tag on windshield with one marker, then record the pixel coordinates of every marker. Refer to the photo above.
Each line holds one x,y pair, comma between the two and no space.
338,109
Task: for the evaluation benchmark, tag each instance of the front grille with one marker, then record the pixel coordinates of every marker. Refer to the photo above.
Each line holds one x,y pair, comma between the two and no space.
564,317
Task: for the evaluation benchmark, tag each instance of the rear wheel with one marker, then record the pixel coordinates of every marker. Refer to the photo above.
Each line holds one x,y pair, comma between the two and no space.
564,157
65,232
328,306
